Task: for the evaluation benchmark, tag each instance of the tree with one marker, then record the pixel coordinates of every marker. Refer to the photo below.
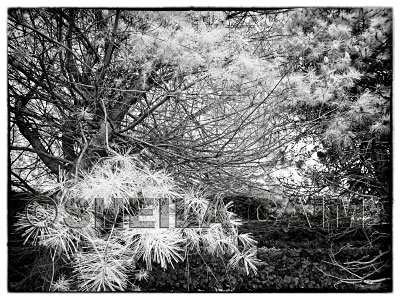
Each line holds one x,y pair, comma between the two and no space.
114,104
341,90
122,103
181,88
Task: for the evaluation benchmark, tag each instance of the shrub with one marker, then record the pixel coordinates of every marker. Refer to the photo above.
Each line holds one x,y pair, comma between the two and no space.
115,258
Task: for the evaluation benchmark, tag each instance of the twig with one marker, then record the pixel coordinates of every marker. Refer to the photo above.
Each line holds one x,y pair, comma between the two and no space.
162,101
24,182
51,41
356,266
105,122
208,268
52,273
305,213
82,153
40,152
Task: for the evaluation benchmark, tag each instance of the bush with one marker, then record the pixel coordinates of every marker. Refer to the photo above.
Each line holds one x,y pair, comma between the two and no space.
116,258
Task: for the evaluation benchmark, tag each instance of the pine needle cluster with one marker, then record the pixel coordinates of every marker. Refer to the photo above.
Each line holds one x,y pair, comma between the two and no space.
114,258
